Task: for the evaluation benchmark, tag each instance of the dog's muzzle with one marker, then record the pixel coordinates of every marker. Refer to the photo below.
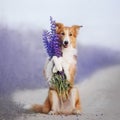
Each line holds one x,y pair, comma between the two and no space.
65,44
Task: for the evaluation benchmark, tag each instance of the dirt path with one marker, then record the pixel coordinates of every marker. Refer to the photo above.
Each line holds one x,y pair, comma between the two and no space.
100,96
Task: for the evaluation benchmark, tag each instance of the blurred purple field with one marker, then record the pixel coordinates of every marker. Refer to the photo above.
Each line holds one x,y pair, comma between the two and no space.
22,57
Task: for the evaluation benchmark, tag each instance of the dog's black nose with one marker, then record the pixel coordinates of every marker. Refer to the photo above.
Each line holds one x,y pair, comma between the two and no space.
65,42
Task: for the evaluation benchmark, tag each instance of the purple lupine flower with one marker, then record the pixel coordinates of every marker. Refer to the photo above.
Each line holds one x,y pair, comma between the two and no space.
47,43
51,41
53,26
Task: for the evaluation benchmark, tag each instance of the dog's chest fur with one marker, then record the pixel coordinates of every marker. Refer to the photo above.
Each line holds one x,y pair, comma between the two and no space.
68,55
68,59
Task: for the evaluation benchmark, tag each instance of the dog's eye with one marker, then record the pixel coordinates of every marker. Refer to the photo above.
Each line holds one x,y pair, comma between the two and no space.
62,33
70,34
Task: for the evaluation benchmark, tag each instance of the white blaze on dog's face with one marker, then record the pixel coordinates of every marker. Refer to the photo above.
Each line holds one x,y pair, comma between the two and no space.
67,34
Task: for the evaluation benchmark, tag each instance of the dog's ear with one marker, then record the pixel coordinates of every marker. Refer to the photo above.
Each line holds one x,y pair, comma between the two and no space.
76,28
59,26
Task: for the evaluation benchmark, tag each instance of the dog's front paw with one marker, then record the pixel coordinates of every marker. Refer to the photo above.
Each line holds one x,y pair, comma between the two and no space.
76,112
54,69
52,112
57,62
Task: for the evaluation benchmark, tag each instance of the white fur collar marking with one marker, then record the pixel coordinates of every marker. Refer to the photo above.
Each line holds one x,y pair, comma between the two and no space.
68,53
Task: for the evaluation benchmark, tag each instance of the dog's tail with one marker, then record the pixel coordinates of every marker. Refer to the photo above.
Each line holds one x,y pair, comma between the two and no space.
40,108
37,108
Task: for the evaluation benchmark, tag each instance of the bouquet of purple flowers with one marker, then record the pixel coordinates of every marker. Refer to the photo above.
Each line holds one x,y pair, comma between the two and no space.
51,41
52,44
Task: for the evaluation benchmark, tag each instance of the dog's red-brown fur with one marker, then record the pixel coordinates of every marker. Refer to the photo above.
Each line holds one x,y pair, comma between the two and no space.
53,104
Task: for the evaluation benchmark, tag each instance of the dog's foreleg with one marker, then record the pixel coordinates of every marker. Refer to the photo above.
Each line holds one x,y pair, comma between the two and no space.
57,64
65,67
54,101
75,100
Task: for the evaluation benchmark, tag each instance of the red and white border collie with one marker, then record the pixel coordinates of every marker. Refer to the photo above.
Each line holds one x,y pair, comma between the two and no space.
52,104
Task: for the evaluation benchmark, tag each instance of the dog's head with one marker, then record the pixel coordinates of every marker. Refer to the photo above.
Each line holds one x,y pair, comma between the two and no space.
67,34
